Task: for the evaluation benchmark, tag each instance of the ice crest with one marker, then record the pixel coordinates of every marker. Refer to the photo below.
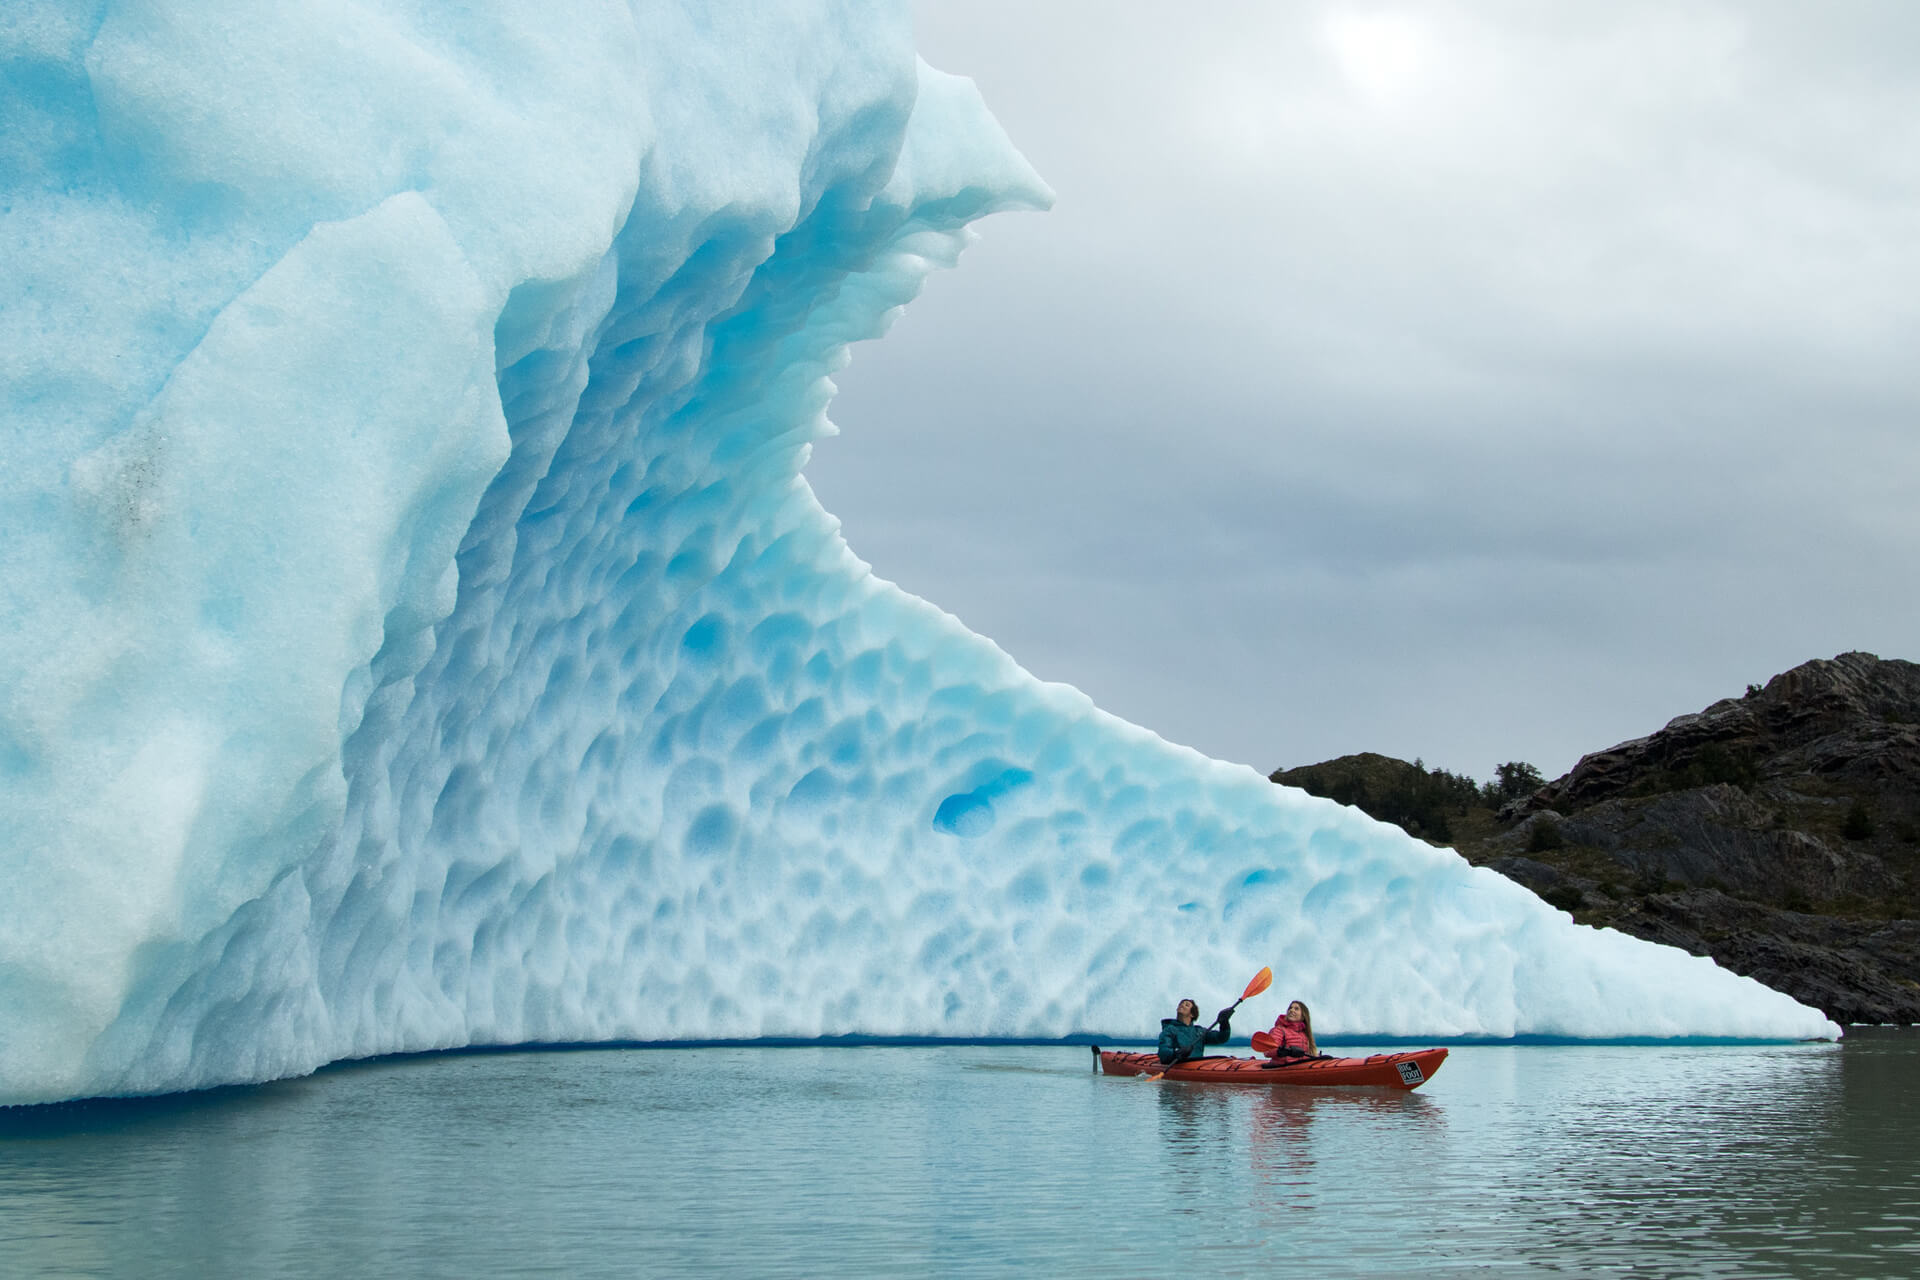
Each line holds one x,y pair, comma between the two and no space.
417,632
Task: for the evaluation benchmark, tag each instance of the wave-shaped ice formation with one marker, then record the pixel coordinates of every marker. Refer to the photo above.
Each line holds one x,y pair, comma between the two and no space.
416,631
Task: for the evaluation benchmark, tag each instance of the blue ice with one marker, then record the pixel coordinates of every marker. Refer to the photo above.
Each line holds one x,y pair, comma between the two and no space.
416,629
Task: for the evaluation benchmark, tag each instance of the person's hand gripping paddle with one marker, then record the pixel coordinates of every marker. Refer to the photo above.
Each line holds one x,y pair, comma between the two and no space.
1261,981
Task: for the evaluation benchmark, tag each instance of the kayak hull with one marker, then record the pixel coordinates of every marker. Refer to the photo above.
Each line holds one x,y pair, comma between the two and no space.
1379,1071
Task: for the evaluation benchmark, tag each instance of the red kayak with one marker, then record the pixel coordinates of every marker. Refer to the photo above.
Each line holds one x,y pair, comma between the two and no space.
1380,1071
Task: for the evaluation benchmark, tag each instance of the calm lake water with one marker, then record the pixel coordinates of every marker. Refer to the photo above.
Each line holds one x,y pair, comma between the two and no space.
1786,1160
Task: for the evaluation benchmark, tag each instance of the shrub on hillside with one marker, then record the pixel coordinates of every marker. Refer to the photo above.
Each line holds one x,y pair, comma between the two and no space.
1514,780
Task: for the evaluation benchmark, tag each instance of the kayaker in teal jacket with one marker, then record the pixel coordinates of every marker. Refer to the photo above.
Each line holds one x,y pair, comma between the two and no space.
1180,1039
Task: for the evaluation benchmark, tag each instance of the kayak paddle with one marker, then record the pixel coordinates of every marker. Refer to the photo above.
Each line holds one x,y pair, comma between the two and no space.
1261,981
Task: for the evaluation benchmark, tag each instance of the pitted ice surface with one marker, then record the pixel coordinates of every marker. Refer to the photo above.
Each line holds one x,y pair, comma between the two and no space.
416,630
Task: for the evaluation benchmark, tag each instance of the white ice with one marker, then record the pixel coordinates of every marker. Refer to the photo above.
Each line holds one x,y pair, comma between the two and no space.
415,630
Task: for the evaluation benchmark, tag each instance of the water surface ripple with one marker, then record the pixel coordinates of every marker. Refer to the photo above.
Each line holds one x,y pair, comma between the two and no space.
1791,1160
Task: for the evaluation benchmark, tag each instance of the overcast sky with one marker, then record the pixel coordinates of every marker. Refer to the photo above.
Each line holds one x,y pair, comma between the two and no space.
1476,381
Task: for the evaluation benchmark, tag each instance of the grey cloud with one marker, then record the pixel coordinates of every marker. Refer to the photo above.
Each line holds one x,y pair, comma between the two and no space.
1560,402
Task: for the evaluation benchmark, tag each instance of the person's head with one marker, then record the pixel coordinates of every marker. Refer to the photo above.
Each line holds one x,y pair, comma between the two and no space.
1298,1013
1188,1012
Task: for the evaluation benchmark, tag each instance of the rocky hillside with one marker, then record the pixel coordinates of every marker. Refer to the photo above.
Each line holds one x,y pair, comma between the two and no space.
1778,832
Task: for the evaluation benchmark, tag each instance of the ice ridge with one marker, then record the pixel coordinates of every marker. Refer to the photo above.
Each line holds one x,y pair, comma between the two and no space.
417,632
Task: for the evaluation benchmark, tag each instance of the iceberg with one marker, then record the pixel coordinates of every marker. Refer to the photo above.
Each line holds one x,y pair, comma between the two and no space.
417,630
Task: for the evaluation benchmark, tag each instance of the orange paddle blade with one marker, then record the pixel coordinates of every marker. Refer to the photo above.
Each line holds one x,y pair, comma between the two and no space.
1261,981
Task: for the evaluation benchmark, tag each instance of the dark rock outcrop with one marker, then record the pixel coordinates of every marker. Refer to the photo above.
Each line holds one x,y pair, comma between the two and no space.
1778,832
1854,719
1850,969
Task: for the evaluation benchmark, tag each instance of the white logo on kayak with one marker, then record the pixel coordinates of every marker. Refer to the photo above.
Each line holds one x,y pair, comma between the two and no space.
1410,1072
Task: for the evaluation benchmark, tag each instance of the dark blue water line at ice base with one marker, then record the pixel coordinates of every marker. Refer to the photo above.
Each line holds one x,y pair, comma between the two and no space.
1080,1039
1749,1160
36,1117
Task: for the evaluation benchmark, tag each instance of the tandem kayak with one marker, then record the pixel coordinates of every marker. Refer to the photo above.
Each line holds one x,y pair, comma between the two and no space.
1379,1071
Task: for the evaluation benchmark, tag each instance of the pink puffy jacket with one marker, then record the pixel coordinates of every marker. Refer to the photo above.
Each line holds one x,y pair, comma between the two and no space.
1288,1034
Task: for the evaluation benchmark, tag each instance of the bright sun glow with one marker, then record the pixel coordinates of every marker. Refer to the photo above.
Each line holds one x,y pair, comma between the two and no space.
1381,54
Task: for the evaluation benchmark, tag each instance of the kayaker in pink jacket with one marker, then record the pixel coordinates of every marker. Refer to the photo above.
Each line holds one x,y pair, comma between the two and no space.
1293,1034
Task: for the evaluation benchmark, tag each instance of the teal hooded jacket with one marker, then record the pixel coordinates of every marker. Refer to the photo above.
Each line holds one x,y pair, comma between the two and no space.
1180,1041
